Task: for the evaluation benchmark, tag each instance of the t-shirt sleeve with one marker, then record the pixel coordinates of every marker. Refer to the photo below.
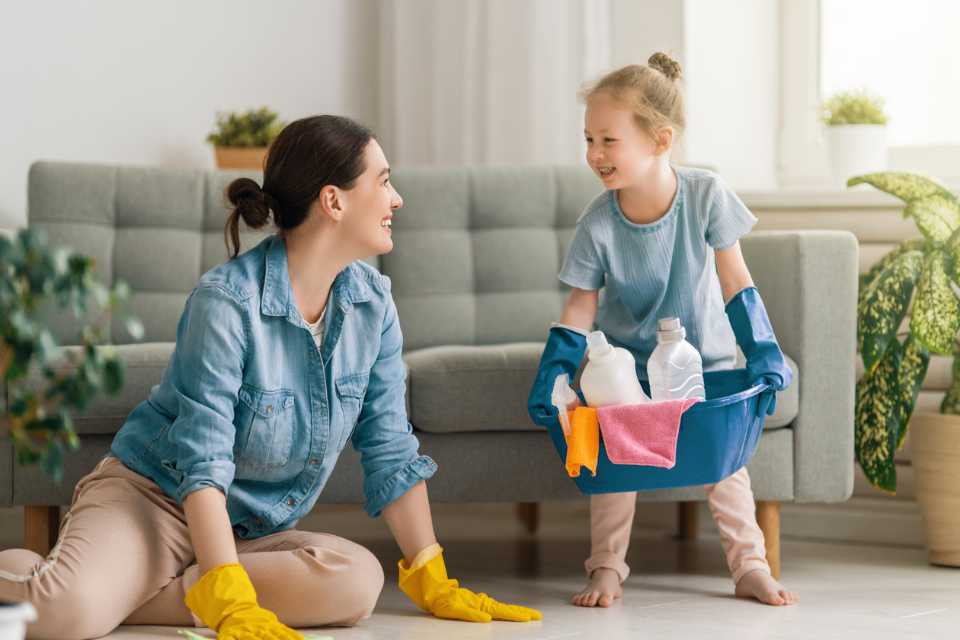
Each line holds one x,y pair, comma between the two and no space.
728,219
581,267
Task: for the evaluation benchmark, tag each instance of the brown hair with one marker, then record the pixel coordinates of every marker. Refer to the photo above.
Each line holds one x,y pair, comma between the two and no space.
652,91
308,155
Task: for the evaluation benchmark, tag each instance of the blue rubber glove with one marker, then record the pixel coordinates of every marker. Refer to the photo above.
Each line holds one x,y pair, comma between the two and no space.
563,353
751,326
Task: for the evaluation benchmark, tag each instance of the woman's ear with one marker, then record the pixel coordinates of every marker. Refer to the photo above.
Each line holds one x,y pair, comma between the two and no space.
331,202
664,140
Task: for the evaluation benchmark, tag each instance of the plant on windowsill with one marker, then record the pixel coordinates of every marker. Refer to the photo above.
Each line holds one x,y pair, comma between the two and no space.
917,281
241,140
36,281
856,133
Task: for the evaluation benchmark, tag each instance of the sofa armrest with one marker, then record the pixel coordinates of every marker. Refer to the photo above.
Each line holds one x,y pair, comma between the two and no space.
808,280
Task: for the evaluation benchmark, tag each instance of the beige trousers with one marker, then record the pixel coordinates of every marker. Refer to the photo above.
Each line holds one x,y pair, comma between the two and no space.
731,503
124,556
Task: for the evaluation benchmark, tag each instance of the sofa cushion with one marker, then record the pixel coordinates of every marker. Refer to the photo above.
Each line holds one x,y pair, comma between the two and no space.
144,365
484,388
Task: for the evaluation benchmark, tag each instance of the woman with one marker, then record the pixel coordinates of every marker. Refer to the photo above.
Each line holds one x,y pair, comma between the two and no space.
282,354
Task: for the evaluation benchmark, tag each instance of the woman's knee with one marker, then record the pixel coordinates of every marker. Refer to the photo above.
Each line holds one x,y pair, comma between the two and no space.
78,614
363,586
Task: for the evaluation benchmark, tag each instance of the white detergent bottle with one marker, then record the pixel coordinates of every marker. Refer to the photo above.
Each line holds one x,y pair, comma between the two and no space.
610,377
675,367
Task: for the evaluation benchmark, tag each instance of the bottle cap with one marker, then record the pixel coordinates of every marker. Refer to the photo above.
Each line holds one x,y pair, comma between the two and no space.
670,330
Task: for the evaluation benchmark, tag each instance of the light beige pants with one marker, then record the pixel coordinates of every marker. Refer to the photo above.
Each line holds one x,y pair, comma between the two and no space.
124,556
731,503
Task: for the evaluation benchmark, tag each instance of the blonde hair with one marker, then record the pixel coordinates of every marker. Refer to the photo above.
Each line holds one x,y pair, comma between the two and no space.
651,91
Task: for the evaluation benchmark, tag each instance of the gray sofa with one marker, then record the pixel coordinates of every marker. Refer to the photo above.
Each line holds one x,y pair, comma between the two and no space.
474,277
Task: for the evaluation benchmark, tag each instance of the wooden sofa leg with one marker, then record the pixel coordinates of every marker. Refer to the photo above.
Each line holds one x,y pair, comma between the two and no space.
528,513
41,525
768,517
687,513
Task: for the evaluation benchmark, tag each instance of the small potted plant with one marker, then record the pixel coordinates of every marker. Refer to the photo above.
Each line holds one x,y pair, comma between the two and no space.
856,132
241,139
918,280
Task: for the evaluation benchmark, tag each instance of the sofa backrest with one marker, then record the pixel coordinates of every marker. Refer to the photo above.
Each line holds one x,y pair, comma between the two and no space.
476,257
158,229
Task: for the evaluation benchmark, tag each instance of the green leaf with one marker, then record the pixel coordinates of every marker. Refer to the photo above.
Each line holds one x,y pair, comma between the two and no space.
936,311
934,208
913,369
937,216
883,305
866,279
113,375
906,186
134,327
875,420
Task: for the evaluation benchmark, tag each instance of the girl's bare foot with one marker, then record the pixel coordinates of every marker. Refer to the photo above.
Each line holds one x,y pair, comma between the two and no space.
602,590
761,586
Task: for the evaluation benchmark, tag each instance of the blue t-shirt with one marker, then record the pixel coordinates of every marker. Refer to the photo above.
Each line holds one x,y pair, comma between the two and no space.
663,268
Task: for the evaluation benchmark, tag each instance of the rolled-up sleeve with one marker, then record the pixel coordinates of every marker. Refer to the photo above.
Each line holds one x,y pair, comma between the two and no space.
209,368
389,452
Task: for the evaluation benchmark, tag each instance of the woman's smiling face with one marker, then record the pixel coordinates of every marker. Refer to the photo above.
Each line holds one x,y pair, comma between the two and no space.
369,206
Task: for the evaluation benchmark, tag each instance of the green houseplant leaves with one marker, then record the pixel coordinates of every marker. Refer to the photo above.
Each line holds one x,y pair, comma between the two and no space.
37,280
917,279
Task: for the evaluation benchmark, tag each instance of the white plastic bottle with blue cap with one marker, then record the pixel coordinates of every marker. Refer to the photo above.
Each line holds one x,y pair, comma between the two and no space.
610,377
675,367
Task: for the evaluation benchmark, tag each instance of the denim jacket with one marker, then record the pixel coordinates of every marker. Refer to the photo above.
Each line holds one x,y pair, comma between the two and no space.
248,404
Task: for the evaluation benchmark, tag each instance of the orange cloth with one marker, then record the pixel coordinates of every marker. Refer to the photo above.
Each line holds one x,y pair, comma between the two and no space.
583,443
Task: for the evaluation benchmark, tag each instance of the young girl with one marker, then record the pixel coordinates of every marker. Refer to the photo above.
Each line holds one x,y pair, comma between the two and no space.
283,354
662,241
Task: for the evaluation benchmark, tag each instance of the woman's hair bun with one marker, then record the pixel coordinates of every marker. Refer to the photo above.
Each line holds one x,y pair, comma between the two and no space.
249,201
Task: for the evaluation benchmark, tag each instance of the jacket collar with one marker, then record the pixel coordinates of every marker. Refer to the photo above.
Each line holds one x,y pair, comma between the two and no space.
350,286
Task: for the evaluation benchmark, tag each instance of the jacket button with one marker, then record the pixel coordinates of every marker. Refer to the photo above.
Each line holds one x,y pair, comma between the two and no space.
291,501
269,408
314,461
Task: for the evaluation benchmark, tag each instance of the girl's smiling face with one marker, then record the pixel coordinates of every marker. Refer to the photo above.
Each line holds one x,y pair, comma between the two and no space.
619,151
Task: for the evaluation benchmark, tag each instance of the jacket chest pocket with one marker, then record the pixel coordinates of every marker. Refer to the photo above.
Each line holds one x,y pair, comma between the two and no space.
264,421
350,392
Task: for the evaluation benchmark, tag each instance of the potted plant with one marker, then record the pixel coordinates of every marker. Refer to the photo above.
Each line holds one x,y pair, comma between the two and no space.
37,281
856,132
917,281
241,139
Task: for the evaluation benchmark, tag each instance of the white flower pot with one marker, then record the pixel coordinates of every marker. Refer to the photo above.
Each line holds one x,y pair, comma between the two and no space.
14,617
856,149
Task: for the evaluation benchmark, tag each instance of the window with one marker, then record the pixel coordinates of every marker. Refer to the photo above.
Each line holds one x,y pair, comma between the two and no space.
906,52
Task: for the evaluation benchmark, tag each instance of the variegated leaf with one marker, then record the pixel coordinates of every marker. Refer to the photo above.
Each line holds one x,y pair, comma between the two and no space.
951,401
934,208
936,311
875,423
906,186
883,305
866,279
936,216
913,368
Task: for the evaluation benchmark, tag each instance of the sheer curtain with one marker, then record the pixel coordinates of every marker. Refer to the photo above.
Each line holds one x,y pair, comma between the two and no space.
487,81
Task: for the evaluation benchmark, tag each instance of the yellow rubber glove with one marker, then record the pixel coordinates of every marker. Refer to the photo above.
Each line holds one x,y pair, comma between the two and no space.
225,601
425,582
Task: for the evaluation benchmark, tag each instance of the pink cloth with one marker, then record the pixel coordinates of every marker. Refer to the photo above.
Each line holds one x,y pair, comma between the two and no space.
643,434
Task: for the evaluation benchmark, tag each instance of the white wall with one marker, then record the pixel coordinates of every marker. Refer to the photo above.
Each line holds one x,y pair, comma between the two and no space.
140,82
731,55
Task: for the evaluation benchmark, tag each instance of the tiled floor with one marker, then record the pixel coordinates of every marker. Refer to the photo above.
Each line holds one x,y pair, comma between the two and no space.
678,590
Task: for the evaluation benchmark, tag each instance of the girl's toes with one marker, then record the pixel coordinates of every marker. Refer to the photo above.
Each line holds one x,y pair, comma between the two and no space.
605,600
